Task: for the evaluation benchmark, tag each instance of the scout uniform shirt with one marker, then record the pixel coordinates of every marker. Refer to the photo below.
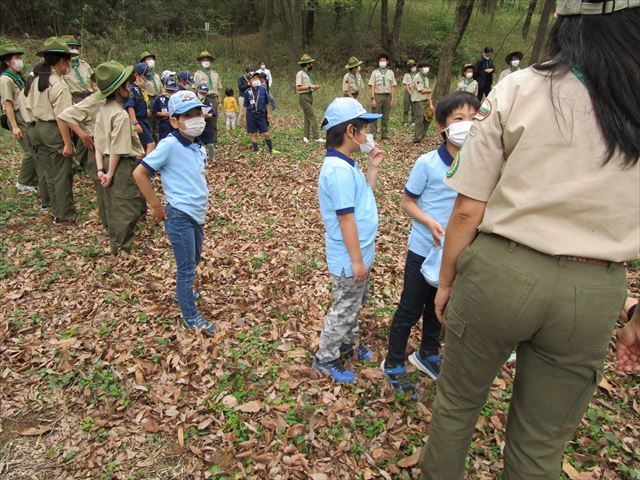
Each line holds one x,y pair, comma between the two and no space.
79,78
468,85
84,113
540,170
303,79
382,81
161,105
47,105
152,87
11,88
211,78
352,83
407,80
420,82
138,99
114,134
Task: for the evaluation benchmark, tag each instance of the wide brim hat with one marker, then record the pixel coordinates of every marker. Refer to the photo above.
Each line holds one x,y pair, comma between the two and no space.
204,54
468,66
306,59
581,7
510,56
411,62
343,109
55,45
110,76
145,54
71,40
10,49
353,63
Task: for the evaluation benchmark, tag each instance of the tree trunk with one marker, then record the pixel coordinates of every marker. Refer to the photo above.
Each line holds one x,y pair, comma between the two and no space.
284,16
296,21
338,8
397,21
464,8
308,21
527,21
538,45
384,25
267,22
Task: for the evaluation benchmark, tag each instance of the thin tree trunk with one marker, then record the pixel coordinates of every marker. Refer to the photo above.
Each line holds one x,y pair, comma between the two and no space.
296,21
397,22
284,16
464,9
527,21
384,24
538,45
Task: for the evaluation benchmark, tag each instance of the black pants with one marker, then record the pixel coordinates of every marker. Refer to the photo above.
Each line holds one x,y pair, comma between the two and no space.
483,90
416,301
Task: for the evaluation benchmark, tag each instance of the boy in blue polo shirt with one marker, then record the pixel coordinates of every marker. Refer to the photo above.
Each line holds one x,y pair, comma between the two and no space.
160,107
428,201
350,217
180,163
258,112
137,107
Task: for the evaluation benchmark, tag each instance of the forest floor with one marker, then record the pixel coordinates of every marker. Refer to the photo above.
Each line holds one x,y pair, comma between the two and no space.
99,379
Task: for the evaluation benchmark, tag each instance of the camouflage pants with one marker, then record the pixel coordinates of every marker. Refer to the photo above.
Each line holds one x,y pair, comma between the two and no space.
341,323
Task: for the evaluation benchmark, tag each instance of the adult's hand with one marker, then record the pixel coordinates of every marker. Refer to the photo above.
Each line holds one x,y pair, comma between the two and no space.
441,301
16,132
628,348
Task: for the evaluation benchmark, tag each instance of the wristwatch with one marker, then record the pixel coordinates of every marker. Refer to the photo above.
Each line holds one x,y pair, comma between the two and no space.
134,122
103,170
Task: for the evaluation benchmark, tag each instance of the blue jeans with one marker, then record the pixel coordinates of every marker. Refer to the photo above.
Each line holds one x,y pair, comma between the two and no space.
186,237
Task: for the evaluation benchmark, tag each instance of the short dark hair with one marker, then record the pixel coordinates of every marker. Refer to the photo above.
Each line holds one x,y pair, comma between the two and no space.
488,49
228,92
450,103
335,135
383,55
423,63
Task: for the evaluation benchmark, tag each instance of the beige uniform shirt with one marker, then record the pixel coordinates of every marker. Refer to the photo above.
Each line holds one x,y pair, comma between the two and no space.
540,170
215,87
506,73
77,77
25,111
382,82
303,80
11,92
352,83
45,106
420,82
84,113
407,80
114,134
468,86
150,88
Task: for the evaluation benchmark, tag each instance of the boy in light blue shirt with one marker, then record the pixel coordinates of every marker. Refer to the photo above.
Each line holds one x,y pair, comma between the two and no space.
180,161
428,201
350,217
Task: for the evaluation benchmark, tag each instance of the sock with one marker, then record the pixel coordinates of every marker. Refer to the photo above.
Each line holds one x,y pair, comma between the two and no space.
255,146
269,145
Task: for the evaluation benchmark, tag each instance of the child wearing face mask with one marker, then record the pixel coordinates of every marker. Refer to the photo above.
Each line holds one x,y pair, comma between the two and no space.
79,76
407,81
421,101
137,106
468,84
206,74
352,83
350,216
180,160
382,85
258,112
210,114
512,59
428,201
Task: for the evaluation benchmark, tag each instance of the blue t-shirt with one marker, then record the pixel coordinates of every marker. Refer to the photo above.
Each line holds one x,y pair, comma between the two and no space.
426,185
342,189
181,166
256,99
137,101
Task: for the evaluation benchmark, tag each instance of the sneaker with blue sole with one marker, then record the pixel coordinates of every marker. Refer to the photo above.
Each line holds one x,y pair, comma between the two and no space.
335,370
199,323
429,365
363,353
400,381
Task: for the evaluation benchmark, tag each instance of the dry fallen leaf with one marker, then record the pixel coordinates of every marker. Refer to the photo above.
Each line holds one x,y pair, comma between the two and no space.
250,407
411,460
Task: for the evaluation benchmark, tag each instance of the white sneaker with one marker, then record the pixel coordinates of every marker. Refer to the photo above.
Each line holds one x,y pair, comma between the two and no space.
320,140
305,139
25,188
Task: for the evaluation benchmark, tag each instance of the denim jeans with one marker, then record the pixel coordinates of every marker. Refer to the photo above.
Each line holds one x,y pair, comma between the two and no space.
416,301
186,237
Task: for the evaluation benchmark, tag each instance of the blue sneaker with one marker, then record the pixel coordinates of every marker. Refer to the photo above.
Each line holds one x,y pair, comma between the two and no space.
429,365
363,353
334,369
400,381
199,323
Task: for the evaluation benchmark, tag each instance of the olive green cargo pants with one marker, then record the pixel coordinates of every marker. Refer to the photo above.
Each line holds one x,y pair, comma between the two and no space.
43,191
58,170
310,123
421,123
408,116
559,315
88,158
28,174
383,106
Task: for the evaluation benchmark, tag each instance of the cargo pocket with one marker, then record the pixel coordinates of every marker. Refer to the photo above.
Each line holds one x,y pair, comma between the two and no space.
581,402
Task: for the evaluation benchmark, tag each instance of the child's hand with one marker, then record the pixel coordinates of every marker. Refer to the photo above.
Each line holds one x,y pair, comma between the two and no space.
105,180
158,213
138,128
375,157
374,103
67,151
437,231
359,271
88,141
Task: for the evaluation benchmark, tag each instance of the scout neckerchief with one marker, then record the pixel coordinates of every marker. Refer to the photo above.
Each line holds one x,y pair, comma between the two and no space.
145,95
355,80
383,72
467,81
15,77
309,74
153,79
579,75
208,74
424,79
76,65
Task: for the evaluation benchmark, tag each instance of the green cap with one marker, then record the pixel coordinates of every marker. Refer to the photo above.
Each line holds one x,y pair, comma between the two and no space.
353,63
204,54
411,62
111,75
10,49
70,40
582,7
55,45
510,56
468,66
146,54
306,59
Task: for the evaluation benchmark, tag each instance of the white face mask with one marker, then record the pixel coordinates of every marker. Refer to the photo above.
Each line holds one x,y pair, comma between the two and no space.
468,74
515,63
457,132
74,50
414,69
382,64
368,145
425,70
205,64
262,67
17,64
195,126
151,63
255,83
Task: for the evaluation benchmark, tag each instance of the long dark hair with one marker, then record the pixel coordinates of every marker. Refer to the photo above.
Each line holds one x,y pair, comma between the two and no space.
605,49
50,60
32,77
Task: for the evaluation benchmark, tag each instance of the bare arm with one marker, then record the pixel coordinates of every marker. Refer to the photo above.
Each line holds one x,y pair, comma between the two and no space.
141,177
82,135
411,208
67,149
351,240
11,117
